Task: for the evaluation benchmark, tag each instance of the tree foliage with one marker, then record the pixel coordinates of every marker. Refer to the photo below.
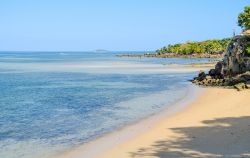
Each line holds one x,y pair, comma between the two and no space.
248,48
209,46
244,18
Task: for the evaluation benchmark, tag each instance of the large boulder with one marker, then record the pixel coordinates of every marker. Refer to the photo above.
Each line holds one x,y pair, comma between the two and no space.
236,60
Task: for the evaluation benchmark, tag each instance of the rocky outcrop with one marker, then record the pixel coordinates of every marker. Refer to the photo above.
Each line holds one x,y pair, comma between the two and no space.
240,81
236,60
233,70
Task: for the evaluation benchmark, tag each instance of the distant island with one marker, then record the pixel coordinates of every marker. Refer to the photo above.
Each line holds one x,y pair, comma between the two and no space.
203,49
101,50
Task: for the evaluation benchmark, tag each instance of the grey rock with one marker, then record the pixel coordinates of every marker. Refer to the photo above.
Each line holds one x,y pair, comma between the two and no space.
201,76
236,60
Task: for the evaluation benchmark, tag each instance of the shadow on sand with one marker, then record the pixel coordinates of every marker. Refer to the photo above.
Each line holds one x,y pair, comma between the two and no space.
222,137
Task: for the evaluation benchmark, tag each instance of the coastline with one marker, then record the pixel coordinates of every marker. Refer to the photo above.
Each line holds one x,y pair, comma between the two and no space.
102,144
173,55
214,124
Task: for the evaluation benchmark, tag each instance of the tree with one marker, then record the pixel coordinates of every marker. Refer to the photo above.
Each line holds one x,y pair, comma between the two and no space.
208,46
244,18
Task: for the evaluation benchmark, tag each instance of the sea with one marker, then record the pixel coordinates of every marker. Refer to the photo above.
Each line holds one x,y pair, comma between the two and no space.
51,102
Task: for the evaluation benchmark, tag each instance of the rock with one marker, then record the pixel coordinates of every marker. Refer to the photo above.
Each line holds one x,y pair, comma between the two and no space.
208,77
236,60
240,86
218,68
212,72
201,76
234,80
206,82
222,80
217,71
209,81
248,86
245,77
195,81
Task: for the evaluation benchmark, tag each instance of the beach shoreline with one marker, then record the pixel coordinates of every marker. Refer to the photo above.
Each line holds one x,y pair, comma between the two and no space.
102,143
214,124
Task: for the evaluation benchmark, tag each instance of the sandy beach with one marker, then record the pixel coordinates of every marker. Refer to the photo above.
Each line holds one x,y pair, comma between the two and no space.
214,124
125,79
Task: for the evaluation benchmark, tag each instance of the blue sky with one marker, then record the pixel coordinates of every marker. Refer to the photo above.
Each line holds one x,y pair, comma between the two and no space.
82,25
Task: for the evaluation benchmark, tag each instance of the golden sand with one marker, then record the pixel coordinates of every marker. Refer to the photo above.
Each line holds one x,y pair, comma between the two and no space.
216,124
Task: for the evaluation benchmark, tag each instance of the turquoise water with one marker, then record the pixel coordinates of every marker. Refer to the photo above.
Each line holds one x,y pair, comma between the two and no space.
53,101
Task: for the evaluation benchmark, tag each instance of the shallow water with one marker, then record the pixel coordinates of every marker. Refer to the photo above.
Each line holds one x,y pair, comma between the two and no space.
52,101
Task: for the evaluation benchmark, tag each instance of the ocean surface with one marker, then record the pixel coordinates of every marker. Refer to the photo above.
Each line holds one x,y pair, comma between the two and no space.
54,101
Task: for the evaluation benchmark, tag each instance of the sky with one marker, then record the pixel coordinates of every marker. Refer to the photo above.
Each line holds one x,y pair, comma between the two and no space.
116,25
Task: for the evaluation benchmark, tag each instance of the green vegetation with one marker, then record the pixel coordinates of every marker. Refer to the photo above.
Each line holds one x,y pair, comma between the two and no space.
244,18
188,48
248,49
244,22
